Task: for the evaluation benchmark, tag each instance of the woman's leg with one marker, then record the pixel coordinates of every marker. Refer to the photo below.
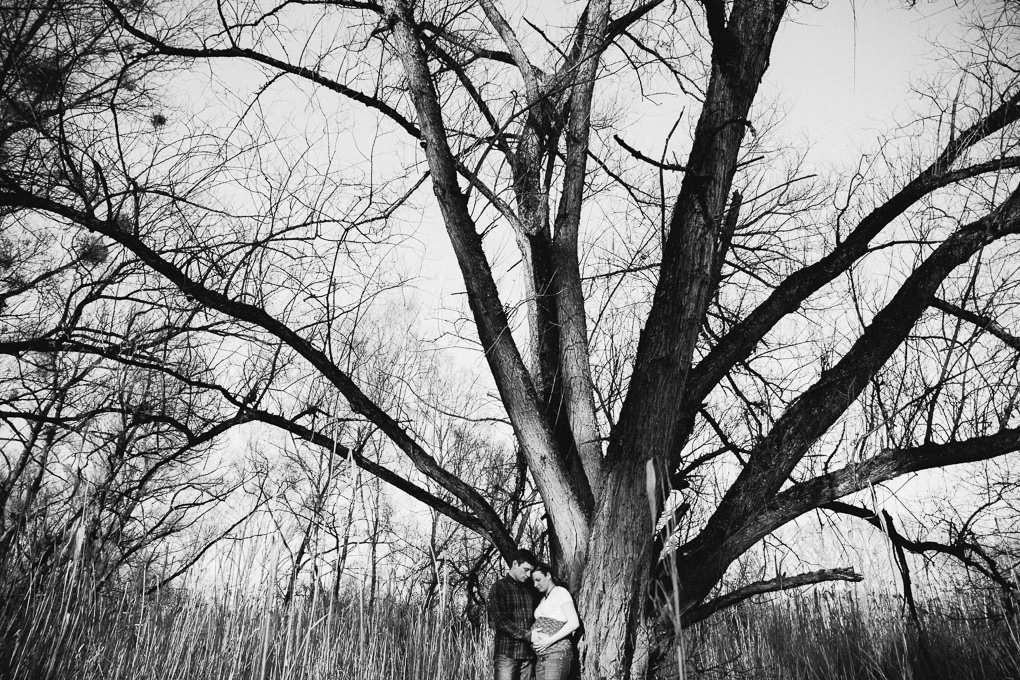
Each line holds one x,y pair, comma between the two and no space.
554,666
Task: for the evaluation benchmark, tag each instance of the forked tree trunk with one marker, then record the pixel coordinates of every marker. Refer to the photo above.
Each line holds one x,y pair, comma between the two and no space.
615,584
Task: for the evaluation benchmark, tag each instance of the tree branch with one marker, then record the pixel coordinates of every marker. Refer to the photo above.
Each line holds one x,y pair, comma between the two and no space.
494,531
796,288
468,46
189,563
684,289
985,323
675,167
959,550
774,585
889,464
163,47
738,519
575,359
622,23
242,311
513,380
530,74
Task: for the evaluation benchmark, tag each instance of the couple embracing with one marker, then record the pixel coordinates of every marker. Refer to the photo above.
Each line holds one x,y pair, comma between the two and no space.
534,617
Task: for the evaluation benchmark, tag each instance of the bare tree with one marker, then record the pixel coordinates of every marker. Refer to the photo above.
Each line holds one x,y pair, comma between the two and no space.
109,470
108,414
724,262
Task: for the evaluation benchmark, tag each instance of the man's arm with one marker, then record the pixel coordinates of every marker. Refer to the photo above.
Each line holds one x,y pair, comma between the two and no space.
501,606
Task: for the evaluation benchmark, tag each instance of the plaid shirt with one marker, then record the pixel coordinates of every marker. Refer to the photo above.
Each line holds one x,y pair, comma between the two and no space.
511,614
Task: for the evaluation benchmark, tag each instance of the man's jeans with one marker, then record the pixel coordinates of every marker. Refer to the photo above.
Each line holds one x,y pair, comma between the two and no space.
505,668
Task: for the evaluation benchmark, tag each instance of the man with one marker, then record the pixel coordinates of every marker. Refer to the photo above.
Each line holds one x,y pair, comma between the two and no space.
512,602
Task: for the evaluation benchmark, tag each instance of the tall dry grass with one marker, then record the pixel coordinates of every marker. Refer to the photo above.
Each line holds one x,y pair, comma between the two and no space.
62,628
854,634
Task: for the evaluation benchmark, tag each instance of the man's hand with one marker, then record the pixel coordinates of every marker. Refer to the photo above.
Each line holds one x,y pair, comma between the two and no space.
539,641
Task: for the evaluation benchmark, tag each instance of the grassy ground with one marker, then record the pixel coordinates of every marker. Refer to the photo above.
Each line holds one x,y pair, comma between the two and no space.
62,630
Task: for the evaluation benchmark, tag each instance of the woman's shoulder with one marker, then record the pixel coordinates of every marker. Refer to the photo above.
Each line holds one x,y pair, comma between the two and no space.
561,594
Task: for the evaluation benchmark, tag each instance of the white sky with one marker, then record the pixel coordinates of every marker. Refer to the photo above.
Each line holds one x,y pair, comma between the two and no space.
845,71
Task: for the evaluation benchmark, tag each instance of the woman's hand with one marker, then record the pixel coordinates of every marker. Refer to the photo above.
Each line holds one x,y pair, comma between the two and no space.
539,641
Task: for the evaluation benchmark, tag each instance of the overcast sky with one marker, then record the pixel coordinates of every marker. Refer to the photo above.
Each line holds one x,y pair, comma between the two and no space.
845,71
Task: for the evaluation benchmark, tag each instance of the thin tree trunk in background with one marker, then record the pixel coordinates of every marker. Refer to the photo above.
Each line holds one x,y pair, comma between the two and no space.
343,549
900,557
295,569
374,549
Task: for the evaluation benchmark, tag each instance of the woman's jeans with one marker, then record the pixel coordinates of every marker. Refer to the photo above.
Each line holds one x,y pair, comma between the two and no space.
555,665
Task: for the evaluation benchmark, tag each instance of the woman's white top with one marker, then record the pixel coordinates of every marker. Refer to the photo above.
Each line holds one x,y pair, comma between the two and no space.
556,605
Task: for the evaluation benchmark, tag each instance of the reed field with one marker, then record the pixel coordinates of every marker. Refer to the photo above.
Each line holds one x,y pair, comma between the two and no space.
63,629
854,634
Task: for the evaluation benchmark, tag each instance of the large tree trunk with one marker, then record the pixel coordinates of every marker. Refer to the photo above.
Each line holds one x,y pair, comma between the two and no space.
615,582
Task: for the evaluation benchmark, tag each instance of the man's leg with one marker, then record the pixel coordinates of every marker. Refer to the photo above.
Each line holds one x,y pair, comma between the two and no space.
504,668
527,669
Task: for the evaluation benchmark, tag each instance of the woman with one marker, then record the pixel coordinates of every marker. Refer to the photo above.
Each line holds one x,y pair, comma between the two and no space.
555,620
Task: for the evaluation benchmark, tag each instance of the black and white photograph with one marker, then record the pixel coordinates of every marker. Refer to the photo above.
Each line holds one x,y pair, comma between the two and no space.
509,339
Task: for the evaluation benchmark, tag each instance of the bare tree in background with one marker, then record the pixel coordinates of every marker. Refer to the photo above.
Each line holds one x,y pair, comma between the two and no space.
109,407
685,309
105,468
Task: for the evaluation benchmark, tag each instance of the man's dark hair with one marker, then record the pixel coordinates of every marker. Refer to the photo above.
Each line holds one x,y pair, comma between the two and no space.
521,556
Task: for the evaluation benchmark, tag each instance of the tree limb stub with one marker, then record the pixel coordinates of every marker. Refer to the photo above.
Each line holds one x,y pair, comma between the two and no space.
675,167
